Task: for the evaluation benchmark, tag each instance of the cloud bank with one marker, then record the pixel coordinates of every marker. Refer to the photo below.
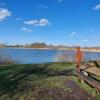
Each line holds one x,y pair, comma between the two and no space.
4,13
41,22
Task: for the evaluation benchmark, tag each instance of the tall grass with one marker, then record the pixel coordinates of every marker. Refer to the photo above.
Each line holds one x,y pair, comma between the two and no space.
5,59
69,56
65,56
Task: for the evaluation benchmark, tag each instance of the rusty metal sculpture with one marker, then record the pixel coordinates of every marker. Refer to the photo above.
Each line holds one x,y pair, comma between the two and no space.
78,57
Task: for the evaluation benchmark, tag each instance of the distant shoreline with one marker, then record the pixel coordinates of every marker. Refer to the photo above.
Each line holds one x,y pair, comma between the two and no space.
27,48
84,50
91,50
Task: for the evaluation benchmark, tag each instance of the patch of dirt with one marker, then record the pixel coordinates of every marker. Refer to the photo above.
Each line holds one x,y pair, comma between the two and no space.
77,93
74,92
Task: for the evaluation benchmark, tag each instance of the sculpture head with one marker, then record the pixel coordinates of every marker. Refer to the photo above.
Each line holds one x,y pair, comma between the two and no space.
78,47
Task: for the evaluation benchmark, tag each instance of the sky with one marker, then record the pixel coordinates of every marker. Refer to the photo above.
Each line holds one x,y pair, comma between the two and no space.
58,22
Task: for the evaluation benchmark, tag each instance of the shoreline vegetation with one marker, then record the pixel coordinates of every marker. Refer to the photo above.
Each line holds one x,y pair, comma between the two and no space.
52,81
38,45
67,48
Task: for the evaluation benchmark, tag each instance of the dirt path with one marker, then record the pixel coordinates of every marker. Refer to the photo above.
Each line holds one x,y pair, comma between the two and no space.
76,92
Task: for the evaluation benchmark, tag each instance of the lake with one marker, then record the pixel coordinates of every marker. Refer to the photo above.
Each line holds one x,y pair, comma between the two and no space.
28,56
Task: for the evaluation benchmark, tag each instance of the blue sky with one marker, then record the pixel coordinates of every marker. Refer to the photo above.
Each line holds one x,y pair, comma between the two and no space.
66,22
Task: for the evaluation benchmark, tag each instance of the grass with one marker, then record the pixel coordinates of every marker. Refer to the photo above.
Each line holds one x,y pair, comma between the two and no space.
37,81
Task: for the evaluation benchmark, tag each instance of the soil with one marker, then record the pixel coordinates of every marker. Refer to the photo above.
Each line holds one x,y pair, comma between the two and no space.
74,92
77,93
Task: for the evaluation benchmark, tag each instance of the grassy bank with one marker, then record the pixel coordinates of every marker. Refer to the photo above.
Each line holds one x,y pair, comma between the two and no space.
41,82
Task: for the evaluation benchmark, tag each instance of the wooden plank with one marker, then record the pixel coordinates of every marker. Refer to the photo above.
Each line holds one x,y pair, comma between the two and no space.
89,80
92,70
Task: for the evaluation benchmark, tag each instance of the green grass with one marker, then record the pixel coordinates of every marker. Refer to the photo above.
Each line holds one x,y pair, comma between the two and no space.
33,81
17,81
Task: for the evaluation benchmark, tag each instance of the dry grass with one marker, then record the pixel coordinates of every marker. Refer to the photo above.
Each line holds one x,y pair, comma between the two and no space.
4,59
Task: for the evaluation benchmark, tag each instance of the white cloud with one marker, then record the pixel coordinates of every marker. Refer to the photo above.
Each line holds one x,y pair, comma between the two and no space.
41,22
31,22
26,29
42,6
4,13
72,34
97,7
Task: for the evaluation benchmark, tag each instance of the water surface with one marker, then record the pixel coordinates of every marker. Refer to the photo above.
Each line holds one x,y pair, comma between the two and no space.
25,56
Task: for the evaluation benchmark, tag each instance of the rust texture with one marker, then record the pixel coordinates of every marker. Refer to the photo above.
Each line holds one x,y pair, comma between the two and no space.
78,57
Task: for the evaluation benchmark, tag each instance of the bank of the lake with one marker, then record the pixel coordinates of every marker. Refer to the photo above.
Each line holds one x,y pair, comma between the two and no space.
50,81
68,49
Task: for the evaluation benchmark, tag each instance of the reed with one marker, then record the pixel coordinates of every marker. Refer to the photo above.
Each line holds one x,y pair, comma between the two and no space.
5,59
